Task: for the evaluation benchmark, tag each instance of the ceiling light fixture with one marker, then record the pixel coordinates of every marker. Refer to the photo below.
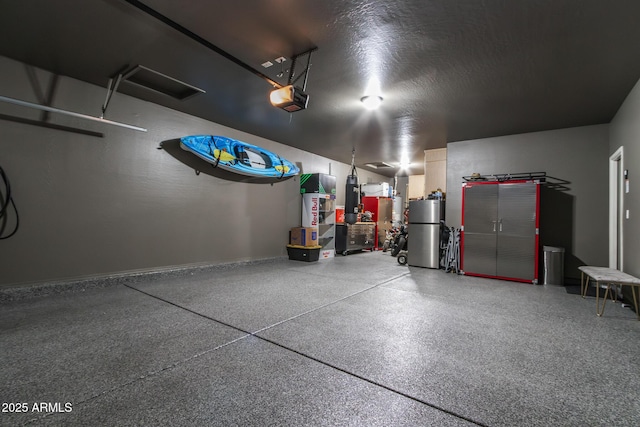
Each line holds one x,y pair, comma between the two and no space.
405,163
371,102
372,98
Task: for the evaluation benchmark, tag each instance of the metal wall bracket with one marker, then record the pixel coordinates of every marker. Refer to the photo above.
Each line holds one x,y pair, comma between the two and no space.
68,113
149,79
305,73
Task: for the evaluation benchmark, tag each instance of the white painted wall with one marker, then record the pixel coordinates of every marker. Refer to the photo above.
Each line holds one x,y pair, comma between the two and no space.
624,131
97,206
574,209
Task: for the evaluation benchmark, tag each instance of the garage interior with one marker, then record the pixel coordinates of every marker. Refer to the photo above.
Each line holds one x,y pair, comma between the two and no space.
143,287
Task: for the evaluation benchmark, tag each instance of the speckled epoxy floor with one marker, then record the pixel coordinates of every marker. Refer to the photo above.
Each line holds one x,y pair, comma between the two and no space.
357,340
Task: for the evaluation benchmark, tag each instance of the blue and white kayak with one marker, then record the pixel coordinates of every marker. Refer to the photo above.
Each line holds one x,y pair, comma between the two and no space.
238,157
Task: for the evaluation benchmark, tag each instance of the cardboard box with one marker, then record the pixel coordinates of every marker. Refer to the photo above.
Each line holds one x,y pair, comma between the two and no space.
317,183
303,236
327,253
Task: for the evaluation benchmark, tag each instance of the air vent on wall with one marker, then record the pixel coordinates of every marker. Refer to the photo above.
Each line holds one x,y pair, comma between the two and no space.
158,82
379,165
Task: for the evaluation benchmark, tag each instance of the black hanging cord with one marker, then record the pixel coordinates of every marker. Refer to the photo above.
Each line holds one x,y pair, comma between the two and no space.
281,165
354,172
211,151
4,206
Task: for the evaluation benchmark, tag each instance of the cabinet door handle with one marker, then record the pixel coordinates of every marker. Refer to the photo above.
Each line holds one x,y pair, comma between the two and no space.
500,224
494,225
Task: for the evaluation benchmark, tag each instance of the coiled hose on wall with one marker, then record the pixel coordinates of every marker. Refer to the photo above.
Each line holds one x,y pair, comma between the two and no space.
6,199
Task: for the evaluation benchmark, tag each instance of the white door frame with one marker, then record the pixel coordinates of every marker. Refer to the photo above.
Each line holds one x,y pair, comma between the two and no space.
616,208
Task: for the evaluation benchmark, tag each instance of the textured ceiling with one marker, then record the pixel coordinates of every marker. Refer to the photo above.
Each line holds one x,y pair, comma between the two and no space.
448,70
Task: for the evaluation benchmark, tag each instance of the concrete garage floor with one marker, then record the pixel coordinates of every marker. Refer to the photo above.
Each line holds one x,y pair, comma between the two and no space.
357,340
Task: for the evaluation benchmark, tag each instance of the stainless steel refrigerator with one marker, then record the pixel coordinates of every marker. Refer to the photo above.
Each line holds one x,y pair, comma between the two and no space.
424,233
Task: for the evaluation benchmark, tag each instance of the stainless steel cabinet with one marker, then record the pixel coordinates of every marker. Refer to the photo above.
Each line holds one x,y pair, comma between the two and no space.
500,230
382,210
355,237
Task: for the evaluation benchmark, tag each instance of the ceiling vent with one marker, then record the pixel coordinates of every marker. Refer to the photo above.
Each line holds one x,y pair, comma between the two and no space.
149,79
379,165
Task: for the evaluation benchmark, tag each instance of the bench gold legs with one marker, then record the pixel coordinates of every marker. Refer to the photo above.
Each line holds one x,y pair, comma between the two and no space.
600,310
635,301
584,285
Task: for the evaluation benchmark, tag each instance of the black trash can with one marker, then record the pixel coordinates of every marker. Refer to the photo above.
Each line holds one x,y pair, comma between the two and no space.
553,265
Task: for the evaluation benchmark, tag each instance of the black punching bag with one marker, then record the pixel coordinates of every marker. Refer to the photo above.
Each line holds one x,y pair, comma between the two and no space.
351,200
